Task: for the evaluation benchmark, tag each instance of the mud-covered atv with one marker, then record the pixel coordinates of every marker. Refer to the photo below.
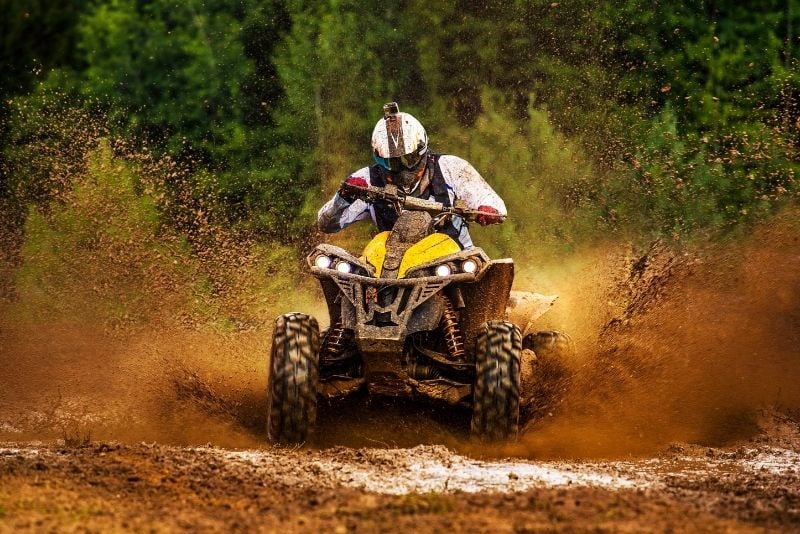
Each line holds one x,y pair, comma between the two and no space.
415,314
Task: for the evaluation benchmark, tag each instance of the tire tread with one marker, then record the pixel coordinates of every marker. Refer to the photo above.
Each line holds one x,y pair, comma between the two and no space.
292,384
495,411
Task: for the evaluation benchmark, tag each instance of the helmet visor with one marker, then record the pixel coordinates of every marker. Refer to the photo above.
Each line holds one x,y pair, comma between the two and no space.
407,161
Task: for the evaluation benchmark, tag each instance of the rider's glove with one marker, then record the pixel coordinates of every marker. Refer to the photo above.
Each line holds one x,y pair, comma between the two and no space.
489,215
346,189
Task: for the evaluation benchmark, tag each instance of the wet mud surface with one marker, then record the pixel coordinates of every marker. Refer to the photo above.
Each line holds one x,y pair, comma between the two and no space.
678,411
108,486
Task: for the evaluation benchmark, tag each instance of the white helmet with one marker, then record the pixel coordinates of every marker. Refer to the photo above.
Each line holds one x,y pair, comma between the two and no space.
398,141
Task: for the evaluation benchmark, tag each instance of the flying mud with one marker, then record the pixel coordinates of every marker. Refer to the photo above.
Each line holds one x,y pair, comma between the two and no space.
678,410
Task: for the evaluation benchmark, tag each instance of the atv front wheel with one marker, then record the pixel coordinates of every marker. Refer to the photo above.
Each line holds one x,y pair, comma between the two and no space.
292,388
495,408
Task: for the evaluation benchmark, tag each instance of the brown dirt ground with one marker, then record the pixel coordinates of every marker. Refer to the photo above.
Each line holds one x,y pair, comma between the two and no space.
657,425
149,487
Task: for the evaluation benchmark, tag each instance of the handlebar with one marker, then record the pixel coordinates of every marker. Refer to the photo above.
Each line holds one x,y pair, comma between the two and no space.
392,194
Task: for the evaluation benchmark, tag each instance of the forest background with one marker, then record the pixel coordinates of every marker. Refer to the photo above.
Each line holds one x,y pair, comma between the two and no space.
148,146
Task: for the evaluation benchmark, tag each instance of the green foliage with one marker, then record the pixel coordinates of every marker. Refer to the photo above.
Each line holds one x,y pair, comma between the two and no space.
193,80
689,183
172,72
548,182
338,65
96,254
617,116
102,253
36,36
49,139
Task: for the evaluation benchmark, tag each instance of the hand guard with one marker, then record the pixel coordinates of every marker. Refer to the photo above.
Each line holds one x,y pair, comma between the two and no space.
488,215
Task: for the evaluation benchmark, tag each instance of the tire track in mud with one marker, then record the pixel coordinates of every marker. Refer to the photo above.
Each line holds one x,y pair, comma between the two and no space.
149,486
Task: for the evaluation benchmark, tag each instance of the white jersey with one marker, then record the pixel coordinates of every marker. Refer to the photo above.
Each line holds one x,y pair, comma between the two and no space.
462,180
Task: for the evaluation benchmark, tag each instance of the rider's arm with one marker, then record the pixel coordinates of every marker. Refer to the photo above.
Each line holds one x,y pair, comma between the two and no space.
339,212
468,185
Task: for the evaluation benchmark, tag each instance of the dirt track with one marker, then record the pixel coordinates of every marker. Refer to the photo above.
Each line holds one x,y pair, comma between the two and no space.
674,349
103,487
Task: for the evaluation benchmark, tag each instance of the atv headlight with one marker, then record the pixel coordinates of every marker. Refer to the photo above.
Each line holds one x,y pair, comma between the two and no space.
329,260
323,261
466,266
469,266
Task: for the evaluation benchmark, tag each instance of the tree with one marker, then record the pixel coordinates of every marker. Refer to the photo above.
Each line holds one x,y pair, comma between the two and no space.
338,65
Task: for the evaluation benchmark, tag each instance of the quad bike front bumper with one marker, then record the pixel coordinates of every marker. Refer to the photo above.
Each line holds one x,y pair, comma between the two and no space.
383,312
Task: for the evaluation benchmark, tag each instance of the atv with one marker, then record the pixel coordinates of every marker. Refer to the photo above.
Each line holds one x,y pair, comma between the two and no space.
413,315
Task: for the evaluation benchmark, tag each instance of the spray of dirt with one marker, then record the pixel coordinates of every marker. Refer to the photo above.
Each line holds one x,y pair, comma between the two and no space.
674,345
62,381
115,327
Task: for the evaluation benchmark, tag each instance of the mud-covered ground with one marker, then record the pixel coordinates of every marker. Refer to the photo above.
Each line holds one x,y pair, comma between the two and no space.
107,487
678,411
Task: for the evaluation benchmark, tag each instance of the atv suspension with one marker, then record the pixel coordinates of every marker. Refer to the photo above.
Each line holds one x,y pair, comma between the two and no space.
335,343
337,355
452,332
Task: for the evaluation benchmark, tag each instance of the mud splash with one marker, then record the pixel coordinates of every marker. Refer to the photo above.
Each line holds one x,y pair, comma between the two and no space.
71,382
698,341
117,329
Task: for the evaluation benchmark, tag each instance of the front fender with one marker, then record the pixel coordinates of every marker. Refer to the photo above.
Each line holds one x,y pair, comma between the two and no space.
525,307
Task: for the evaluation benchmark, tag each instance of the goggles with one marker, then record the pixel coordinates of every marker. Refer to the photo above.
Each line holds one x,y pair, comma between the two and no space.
408,161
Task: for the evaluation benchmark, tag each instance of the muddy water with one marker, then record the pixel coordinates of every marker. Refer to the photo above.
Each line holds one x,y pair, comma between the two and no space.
110,487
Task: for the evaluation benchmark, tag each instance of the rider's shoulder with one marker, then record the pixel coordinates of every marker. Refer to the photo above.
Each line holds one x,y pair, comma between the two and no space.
449,161
456,168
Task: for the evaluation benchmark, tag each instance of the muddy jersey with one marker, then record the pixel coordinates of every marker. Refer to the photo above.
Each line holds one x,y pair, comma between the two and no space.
460,180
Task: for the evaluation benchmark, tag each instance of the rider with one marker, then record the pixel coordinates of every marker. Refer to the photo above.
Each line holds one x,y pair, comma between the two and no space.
400,149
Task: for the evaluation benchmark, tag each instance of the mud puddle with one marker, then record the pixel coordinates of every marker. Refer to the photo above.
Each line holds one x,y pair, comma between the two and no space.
110,486
426,469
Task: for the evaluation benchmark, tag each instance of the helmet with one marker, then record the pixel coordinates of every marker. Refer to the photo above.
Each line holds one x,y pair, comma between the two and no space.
399,143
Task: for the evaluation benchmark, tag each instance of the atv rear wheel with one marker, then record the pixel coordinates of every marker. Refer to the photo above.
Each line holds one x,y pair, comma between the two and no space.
495,408
292,388
549,344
